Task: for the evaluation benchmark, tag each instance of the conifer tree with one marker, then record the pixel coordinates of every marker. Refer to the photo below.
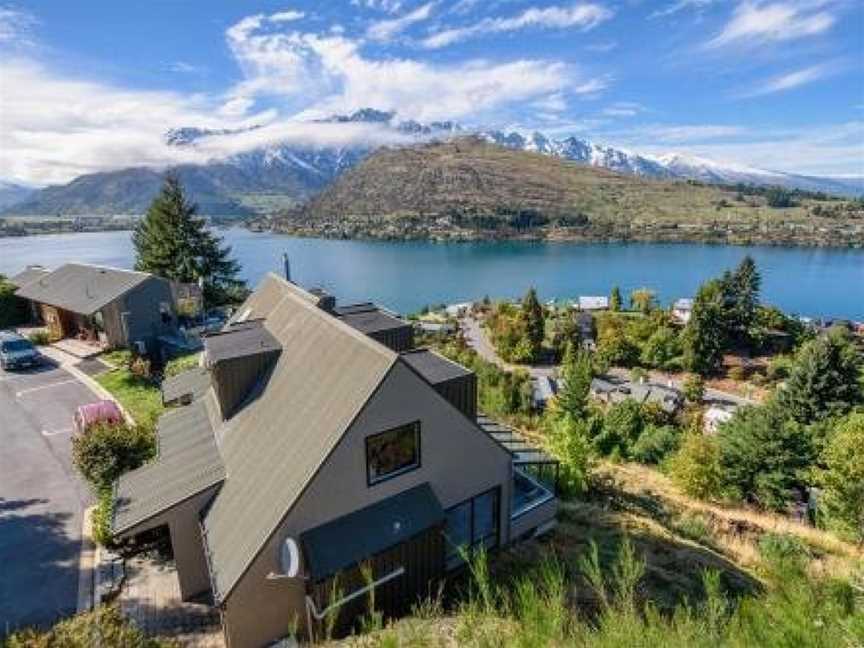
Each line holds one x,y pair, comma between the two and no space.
615,299
172,242
535,324
576,374
705,335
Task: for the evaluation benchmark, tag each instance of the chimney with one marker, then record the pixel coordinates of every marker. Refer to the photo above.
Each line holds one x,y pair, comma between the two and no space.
287,266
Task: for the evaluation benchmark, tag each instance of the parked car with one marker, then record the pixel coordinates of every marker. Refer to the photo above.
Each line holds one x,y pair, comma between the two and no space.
103,411
17,352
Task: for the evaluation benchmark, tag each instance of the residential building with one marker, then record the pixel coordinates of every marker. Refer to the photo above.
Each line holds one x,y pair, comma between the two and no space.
109,307
714,417
592,303
611,390
309,449
682,309
458,310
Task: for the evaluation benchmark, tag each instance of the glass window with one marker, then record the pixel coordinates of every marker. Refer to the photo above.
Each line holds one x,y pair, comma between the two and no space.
392,452
472,524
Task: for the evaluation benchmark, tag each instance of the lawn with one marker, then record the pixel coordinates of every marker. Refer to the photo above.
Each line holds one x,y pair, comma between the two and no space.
140,397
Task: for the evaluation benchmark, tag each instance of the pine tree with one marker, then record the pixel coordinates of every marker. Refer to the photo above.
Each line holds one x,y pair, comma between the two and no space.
825,380
741,289
642,300
172,242
576,374
615,299
535,324
704,335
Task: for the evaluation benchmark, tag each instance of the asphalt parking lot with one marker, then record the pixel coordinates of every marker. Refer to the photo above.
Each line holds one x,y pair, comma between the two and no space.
41,498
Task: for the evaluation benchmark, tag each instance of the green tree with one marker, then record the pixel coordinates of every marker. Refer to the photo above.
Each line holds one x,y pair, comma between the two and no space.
568,441
106,451
643,300
694,388
764,455
843,478
704,335
695,468
655,443
661,348
13,310
622,426
535,323
576,375
824,380
615,299
614,346
742,294
172,242
779,198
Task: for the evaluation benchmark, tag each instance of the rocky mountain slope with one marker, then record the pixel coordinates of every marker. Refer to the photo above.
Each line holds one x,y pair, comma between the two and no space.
471,190
12,193
279,175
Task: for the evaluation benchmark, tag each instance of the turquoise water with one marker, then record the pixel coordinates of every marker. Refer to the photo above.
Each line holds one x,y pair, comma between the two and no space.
405,276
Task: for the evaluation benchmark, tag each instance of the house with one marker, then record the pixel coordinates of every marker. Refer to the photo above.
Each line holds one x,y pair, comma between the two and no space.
714,417
311,449
378,323
437,328
593,303
682,309
458,310
108,306
668,398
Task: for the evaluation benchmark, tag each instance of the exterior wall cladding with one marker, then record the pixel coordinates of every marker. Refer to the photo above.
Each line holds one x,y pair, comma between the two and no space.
457,460
144,321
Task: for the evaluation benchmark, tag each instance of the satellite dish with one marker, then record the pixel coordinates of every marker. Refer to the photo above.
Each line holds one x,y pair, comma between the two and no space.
290,558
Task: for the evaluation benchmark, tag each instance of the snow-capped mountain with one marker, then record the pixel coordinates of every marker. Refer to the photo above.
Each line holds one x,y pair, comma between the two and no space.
288,173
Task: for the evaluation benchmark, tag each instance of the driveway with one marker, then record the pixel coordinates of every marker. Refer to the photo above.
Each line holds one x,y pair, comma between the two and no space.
477,339
41,498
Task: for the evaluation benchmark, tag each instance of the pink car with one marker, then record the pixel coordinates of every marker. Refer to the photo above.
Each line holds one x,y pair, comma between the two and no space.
104,411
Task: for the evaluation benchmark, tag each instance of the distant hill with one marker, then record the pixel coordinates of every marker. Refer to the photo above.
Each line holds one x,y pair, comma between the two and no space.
12,193
470,189
266,179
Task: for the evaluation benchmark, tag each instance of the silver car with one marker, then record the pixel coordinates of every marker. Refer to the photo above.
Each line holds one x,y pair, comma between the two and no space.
17,352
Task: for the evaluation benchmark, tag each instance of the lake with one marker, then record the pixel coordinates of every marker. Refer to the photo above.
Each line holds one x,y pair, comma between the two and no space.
406,276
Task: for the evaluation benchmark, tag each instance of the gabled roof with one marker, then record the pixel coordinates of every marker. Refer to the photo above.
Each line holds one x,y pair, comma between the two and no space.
368,318
435,368
188,463
80,288
28,275
274,445
191,383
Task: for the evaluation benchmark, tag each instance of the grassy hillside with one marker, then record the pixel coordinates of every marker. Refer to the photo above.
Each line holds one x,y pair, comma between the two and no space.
775,579
468,189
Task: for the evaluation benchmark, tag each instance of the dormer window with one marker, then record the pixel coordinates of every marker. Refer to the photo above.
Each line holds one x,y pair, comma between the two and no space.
392,452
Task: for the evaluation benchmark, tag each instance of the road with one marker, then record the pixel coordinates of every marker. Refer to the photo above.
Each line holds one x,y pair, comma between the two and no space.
41,498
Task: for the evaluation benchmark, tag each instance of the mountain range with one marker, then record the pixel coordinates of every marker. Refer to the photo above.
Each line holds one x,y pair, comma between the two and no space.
276,176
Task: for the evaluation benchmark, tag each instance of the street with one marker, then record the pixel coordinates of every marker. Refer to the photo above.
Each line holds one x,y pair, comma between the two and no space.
41,498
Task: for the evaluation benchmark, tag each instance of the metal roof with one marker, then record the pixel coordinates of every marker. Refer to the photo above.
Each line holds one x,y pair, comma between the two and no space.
80,288
188,463
193,382
433,367
361,534
29,274
240,340
274,446
368,318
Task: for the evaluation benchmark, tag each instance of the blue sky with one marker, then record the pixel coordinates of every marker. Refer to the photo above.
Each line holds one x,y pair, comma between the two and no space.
92,85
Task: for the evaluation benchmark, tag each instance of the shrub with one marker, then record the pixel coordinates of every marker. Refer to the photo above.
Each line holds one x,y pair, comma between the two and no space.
105,626
622,426
39,338
692,527
106,451
140,367
568,441
782,547
13,309
655,443
695,468
737,373
843,478
183,363
102,516
694,388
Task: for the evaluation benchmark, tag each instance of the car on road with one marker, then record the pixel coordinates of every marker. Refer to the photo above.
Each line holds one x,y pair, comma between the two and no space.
17,352
103,411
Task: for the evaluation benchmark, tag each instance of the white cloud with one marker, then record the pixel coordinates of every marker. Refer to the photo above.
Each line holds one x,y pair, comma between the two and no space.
182,67
623,109
755,24
584,16
328,73
689,133
388,6
601,48
792,80
681,5
385,30
15,26
287,16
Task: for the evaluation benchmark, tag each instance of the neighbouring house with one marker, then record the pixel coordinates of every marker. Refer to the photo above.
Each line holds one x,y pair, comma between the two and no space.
587,330
714,417
608,390
309,453
458,310
592,303
109,307
439,328
682,309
